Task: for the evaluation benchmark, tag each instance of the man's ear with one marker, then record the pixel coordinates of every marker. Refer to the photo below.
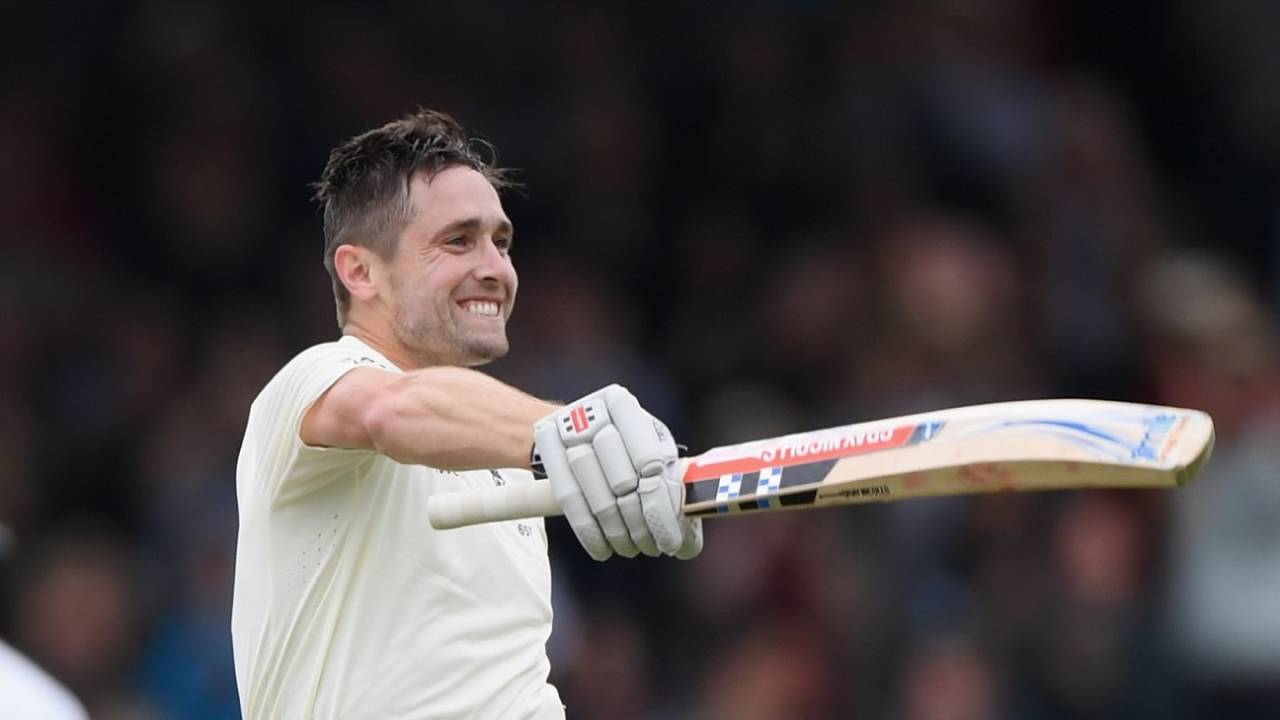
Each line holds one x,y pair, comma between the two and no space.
360,270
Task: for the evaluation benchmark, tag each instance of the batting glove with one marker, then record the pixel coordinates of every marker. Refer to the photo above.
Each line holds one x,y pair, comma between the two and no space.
613,468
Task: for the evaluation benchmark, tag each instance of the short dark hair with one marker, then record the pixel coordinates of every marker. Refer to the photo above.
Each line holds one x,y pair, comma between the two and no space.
364,188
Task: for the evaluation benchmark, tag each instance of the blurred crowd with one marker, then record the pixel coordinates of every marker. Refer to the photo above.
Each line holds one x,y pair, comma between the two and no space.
763,217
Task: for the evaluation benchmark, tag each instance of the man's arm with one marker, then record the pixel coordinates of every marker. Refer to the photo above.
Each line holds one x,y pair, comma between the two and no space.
446,417
613,467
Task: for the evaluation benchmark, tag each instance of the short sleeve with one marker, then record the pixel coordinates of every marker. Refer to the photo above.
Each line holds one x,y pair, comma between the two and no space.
274,459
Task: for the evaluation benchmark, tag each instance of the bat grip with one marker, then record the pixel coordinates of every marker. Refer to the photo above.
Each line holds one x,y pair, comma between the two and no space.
505,502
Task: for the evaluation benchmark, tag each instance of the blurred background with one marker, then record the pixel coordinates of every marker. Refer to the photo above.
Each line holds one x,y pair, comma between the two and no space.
762,217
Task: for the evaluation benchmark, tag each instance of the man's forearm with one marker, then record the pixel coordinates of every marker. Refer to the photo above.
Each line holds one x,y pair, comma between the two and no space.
454,419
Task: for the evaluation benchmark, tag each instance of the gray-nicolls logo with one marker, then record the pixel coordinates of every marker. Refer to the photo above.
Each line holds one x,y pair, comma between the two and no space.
660,430
498,480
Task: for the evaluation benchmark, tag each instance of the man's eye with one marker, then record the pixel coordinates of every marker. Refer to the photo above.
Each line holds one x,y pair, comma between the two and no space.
503,244
457,240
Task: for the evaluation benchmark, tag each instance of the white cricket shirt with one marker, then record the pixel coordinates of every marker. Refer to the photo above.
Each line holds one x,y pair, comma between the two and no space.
348,605
28,692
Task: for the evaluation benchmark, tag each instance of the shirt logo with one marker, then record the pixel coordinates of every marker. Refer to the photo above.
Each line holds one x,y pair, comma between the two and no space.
366,360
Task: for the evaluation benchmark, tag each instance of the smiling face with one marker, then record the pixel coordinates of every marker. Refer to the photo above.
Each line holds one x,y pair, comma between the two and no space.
450,286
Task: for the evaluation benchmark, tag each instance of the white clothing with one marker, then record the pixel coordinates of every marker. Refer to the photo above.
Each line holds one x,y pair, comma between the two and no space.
28,692
1225,574
348,605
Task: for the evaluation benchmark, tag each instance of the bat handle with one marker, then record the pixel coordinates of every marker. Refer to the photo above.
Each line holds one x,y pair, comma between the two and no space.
505,502
450,510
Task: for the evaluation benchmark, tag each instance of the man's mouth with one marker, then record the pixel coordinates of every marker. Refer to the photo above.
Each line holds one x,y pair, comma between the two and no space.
481,308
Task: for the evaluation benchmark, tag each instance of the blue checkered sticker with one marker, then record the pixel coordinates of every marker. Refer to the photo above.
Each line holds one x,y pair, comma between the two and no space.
729,489
769,483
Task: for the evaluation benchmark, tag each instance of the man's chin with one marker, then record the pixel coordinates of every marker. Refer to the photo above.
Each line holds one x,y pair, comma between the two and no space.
485,353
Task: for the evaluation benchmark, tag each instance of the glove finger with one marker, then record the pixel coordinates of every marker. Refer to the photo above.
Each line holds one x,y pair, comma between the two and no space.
691,527
633,515
600,498
660,514
568,493
648,442
692,544
674,480
612,455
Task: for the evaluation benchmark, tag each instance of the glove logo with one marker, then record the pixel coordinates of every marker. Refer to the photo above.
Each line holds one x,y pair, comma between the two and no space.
580,419
660,430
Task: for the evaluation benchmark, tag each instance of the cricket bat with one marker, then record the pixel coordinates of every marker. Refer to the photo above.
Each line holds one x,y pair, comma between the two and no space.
999,447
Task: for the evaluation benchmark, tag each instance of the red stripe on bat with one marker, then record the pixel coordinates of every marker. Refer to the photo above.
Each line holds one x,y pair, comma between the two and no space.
801,449
579,417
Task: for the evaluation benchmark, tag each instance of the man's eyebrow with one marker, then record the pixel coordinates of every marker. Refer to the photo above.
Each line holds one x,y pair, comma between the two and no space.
472,224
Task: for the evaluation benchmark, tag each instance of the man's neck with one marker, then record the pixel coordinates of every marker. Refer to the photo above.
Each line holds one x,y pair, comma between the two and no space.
393,351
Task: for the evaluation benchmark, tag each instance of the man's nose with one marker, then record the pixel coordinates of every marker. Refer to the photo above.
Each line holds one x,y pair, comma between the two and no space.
494,264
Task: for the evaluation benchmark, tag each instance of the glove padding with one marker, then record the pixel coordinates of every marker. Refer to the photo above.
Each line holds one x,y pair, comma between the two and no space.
613,468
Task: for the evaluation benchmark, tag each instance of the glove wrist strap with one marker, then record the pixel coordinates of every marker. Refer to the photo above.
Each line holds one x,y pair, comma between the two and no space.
535,464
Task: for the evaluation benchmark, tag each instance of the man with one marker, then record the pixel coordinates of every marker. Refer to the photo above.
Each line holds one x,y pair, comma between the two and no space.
347,604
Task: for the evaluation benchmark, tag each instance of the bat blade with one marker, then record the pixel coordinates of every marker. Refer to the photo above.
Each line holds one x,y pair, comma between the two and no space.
1028,445
1014,446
